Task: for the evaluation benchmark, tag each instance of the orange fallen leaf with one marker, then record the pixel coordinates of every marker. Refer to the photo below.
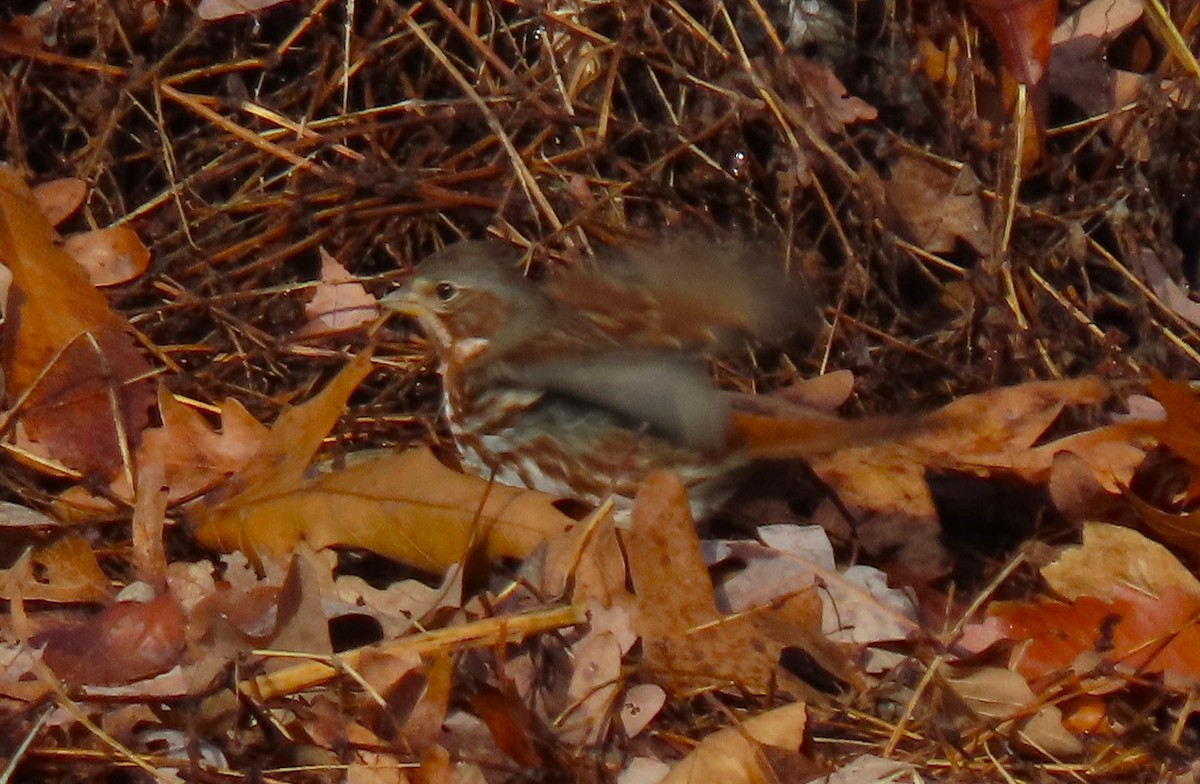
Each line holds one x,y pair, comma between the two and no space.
1023,29
196,456
686,642
1131,605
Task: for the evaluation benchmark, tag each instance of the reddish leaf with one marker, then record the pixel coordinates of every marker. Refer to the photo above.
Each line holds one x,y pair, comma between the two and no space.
67,355
1022,29
126,642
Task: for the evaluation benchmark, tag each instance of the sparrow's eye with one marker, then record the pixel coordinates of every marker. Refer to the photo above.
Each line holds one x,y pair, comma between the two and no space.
445,291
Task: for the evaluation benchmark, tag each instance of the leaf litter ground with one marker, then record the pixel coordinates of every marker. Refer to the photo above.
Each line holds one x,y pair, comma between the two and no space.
285,167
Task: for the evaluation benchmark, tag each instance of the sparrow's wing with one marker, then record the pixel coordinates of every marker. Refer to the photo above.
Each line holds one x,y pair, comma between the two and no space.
687,292
668,393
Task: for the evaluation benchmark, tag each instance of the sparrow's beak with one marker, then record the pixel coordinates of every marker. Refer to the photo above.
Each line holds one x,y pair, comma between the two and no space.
404,302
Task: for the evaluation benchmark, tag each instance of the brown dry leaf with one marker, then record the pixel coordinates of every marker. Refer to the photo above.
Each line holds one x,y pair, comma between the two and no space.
685,640
282,458
408,507
340,301
735,754
1080,72
937,207
1001,694
58,199
63,571
110,256
197,457
125,642
62,327
813,93
885,484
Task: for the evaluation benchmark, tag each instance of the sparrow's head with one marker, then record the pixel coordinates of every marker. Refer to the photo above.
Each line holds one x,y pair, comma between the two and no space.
462,295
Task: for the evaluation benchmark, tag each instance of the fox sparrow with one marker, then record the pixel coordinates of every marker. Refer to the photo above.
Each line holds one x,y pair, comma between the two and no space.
584,384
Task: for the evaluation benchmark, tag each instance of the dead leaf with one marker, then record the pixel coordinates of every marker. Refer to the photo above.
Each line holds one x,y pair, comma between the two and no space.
937,207
685,640
63,571
735,754
125,642
196,456
1001,694
1132,605
110,256
66,364
1111,556
214,10
408,507
858,606
58,199
1023,29
884,484
340,301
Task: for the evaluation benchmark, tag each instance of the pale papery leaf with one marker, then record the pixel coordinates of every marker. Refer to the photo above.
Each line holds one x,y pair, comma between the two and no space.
340,301
869,769
859,607
595,682
643,770
640,704
1000,694
215,10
